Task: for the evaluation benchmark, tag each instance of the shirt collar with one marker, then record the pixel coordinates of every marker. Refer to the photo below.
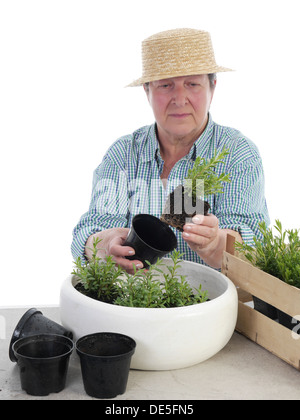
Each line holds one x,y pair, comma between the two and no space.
151,151
151,145
201,145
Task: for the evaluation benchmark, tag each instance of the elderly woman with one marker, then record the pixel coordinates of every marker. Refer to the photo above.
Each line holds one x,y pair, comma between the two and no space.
140,170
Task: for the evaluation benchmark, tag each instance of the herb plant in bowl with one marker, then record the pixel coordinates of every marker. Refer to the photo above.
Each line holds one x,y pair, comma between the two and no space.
165,309
188,200
152,288
98,278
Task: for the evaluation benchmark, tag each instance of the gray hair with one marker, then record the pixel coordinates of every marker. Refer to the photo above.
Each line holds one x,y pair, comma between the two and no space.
212,77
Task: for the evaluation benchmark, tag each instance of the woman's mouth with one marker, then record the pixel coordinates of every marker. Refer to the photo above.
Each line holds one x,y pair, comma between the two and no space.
179,116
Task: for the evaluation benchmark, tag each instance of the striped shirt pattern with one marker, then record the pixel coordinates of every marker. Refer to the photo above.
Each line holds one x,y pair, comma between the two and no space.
127,182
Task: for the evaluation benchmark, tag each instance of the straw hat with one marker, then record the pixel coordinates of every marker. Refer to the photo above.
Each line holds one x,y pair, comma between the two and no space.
177,52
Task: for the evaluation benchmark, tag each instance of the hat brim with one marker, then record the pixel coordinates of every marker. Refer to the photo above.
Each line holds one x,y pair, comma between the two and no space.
143,80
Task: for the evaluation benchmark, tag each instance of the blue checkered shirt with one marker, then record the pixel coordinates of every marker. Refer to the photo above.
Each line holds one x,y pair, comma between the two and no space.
127,182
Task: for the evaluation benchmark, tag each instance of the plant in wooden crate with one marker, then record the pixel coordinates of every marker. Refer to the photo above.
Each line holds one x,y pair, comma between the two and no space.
278,254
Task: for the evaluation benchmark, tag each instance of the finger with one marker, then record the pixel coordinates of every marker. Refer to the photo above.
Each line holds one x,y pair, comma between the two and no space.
194,240
204,231
121,251
210,220
128,265
118,240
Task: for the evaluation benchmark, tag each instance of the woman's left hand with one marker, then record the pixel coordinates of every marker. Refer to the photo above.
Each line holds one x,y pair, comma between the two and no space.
203,234
205,237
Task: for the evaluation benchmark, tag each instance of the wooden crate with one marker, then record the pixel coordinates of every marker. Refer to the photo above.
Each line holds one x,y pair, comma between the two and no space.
264,331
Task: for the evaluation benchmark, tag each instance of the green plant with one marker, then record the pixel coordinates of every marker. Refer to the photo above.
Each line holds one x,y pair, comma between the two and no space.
276,253
204,169
155,288
99,277
140,290
151,288
177,291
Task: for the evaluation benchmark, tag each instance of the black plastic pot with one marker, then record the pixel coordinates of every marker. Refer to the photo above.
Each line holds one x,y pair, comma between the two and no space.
43,361
265,308
151,239
289,322
105,363
33,322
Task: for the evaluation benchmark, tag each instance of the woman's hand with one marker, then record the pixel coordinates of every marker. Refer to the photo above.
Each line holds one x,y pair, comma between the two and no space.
112,244
206,238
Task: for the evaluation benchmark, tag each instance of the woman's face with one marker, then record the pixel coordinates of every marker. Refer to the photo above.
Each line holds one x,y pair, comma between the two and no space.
180,105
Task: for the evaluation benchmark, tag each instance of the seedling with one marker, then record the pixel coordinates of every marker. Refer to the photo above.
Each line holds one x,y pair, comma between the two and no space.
277,254
99,276
155,287
187,200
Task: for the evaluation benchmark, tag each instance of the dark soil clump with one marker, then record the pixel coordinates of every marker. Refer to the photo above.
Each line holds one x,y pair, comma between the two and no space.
179,207
91,294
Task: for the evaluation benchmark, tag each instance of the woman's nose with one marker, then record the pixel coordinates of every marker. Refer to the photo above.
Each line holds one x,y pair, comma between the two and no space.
180,96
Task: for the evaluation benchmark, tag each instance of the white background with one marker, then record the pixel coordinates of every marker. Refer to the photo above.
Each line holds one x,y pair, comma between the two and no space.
63,68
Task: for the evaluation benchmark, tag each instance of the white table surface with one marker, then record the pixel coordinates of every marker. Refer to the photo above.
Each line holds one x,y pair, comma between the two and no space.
241,371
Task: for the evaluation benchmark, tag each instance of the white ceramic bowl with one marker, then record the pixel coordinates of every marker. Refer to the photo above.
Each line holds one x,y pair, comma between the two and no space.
167,338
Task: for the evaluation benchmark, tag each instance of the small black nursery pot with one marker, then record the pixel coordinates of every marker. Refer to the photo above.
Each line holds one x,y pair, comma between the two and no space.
151,239
265,308
289,322
105,363
33,322
43,361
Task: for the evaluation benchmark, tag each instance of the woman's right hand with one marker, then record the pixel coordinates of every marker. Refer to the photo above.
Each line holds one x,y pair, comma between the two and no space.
112,241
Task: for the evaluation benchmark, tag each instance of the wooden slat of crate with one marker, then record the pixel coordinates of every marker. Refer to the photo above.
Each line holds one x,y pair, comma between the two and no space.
267,333
244,296
263,285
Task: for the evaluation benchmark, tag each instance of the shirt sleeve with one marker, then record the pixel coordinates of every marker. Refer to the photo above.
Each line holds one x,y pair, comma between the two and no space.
108,207
242,206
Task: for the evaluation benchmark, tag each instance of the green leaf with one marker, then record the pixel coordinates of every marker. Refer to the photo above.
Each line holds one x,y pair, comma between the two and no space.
206,170
277,253
144,288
